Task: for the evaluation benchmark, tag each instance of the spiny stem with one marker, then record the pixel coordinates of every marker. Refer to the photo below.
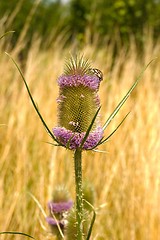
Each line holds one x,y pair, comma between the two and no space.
79,193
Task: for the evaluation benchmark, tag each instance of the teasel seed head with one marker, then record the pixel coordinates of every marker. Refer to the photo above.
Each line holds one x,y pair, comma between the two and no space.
78,103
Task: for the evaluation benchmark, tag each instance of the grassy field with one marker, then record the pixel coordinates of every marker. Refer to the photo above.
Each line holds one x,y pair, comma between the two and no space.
126,177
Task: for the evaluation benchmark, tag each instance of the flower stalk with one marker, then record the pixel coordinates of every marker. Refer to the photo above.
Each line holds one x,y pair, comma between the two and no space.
79,193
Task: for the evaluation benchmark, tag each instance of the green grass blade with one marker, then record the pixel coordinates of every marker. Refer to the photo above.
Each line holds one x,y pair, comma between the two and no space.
17,233
91,226
89,128
126,96
92,222
105,140
6,33
32,100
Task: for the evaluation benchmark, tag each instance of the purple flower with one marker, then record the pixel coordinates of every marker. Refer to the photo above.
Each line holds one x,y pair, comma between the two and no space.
60,211
60,207
73,140
54,223
90,81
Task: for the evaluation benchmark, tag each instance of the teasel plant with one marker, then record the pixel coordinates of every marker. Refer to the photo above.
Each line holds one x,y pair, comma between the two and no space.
79,127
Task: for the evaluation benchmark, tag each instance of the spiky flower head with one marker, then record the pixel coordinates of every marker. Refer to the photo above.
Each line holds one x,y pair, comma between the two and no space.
59,207
78,103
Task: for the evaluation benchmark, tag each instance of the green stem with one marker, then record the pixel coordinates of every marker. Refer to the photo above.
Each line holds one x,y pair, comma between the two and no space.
79,193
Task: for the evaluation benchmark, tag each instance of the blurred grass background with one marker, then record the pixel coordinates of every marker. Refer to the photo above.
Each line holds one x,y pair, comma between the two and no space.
126,177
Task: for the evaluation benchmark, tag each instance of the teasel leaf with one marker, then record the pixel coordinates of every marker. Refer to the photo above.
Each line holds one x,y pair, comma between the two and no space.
32,100
92,221
126,96
17,233
106,139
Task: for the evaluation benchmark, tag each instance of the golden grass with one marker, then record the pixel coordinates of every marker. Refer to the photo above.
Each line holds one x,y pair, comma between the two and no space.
126,177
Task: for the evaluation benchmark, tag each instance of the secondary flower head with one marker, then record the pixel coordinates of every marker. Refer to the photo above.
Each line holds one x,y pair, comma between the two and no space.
78,103
59,207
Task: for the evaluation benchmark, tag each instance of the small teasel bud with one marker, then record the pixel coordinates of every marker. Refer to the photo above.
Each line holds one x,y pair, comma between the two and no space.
71,229
60,194
78,103
61,201
59,207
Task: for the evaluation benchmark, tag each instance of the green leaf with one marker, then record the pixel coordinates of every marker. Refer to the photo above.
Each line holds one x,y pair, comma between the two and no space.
92,222
91,226
105,140
32,100
17,233
126,96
